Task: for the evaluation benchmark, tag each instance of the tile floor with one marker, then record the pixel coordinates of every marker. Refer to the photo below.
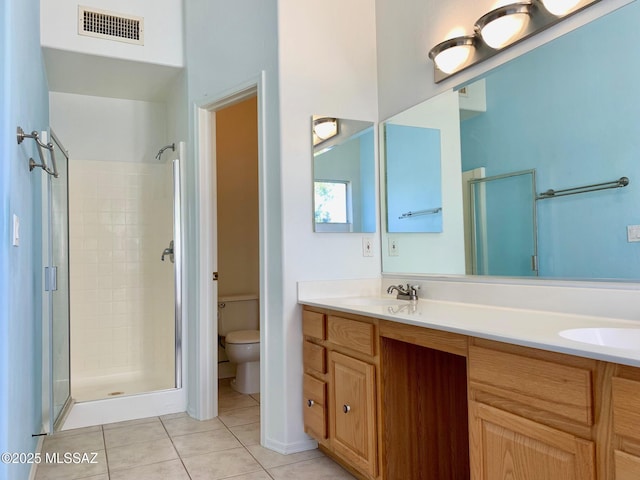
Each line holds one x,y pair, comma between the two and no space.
177,447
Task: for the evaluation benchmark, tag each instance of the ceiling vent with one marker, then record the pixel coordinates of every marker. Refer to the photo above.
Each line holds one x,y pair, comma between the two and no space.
110,25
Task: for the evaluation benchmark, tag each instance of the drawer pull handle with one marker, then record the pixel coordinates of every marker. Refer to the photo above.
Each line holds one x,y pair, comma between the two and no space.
346,408
310,403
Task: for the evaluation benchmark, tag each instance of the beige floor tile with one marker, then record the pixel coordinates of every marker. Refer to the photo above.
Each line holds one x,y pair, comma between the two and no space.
81,443
235,400
186,425
144,432
268,458
205,442
242,416
261,475
221,464
72,471
130,423
248,434
316,469
171,470
173,415
139,454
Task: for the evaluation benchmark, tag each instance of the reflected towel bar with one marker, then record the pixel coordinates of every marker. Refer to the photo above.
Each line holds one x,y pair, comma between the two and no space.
429,211
621,182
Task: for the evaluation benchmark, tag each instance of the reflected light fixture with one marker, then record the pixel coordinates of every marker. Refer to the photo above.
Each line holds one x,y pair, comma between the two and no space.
324,128
504,25
450,55
561,7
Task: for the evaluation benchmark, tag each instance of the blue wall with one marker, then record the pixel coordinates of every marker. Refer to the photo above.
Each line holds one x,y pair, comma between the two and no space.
24,103
586,78
413,178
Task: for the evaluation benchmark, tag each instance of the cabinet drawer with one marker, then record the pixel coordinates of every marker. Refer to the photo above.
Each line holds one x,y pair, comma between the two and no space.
626,414
358,336
315,411
627,466
552,387
313,325
314,357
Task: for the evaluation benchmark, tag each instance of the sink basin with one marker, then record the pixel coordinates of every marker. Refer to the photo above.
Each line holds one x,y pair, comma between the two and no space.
625,338
372,301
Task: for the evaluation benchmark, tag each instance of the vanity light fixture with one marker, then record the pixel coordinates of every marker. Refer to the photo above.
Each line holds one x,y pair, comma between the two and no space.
450,55
499,29
560,8
504,25
324,128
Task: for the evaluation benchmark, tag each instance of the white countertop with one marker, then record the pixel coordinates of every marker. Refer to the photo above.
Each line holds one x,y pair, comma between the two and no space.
531,328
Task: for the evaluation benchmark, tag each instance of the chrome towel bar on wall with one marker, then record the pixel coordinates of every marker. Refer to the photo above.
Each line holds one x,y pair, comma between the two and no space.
621,182
49,146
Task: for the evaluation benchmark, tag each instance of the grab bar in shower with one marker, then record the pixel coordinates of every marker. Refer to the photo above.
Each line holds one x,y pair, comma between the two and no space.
49,146
621,182
429,211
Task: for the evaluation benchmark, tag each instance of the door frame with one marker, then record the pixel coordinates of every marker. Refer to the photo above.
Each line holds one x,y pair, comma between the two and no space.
204,342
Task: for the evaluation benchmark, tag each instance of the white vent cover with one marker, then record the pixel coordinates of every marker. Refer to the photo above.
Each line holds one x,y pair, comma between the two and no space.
110,25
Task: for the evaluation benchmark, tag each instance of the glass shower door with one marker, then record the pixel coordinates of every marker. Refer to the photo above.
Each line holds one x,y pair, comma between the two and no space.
503,224
58,286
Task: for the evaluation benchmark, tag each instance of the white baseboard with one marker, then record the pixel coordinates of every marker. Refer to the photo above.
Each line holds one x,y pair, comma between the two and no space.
288,448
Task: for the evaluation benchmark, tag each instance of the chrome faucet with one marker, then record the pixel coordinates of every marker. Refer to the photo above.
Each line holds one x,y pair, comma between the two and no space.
410,292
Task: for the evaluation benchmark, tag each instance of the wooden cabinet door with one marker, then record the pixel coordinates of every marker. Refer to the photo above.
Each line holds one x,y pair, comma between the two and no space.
505,446
353,411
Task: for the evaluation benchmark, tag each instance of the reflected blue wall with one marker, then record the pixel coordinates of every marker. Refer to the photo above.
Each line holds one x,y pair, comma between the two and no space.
585,78
413,178
24,100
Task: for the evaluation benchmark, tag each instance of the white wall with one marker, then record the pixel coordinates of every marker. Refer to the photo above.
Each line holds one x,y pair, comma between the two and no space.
227,45
407,30
328,67
162,29
307,72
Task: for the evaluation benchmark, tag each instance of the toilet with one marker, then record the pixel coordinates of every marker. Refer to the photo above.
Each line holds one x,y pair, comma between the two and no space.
238,323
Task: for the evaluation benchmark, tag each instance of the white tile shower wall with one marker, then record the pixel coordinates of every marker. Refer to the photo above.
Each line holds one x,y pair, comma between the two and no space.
121,293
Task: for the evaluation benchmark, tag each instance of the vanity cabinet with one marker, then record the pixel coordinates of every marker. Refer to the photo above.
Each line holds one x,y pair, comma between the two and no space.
625,393
340,388
392,401
531,414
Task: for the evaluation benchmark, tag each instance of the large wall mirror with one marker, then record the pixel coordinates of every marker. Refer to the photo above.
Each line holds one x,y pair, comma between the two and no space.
344,184
545,178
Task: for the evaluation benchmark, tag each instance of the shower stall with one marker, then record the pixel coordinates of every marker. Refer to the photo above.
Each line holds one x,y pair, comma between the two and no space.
124,254
122,290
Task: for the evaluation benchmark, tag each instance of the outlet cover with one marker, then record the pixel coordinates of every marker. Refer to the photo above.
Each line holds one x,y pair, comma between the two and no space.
633,233
367,247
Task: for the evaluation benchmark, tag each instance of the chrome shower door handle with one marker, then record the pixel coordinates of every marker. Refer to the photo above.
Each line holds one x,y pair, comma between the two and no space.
168,251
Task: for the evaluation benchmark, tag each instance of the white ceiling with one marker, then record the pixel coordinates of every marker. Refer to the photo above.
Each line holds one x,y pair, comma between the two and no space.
72,72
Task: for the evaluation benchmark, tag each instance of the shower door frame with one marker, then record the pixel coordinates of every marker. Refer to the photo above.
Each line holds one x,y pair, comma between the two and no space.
52,420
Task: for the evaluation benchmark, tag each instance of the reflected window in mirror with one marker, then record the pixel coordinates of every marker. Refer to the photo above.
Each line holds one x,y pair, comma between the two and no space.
344,177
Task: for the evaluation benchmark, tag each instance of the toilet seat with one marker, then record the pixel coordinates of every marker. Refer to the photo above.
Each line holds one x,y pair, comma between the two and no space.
243,336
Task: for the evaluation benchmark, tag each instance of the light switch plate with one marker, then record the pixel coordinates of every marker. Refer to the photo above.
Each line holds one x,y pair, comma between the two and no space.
394,248
16,231
367,247
633,233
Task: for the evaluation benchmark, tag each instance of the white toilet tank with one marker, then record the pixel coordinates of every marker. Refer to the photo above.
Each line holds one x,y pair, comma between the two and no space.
238,312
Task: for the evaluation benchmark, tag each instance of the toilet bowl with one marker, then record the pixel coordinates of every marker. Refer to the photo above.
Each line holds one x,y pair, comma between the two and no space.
243,349
238,322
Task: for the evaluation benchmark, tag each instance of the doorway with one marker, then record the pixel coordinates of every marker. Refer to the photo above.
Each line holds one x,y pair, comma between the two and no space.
211,272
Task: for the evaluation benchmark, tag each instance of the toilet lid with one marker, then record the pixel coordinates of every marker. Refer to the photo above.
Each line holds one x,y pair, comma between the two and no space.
243,336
